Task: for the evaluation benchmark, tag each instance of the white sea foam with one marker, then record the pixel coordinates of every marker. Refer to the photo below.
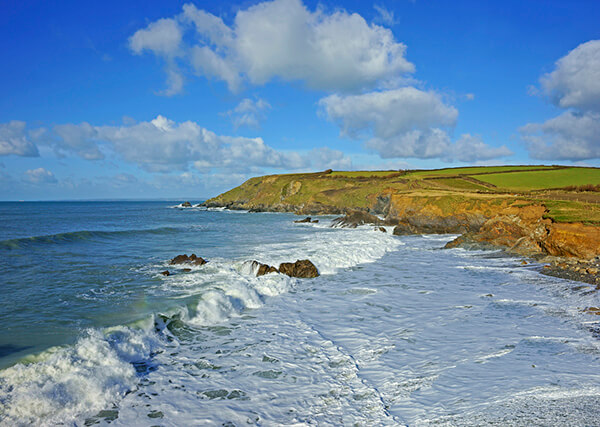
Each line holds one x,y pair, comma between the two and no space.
65,384
379,344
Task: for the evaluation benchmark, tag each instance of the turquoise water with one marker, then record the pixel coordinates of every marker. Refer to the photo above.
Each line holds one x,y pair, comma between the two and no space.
395,331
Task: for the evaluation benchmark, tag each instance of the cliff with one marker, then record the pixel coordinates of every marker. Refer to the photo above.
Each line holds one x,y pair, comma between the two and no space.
531,210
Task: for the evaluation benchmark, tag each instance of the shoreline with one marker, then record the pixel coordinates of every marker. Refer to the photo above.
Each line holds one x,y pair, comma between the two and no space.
514,231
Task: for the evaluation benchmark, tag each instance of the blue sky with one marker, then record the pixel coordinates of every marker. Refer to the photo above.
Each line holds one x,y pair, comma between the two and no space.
187,99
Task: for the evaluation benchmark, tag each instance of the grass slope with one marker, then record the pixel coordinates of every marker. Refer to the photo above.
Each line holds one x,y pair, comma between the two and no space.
570,193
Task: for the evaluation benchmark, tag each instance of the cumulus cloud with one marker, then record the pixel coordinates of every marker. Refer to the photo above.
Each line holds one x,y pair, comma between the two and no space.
575,81
326,158
405,122
471,148
570,136
40,176
280,39
573,85
14,140
79,139
162,145
162,37
388,113
249,113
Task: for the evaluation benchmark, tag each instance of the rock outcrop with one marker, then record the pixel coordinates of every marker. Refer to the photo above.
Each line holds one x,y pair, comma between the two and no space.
307,220
184,259
261,269
301,268
355,218
186,205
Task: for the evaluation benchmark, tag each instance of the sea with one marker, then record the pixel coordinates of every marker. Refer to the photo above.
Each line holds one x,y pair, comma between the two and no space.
395,330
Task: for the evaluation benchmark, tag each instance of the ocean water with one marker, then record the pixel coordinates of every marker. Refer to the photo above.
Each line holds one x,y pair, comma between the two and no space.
396,331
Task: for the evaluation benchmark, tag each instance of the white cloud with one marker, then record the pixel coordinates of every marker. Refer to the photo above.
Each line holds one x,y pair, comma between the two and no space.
570,136
162,145
405,122
326,158
249,112
162,37
384,15
471,148
388,114
40,176
14,140
79,139
281,39
575,81
574,86
401,122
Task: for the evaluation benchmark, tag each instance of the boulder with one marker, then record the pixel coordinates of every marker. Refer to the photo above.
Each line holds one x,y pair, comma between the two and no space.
186,205
184,259
355,218
403,229
301,268
382,229
261,269
307,219
165,273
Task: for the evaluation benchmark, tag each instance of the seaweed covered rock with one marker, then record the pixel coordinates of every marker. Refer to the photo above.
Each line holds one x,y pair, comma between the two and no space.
186,205
301,268
184,259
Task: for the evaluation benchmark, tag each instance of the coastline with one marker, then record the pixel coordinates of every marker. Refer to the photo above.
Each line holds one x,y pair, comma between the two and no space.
563,234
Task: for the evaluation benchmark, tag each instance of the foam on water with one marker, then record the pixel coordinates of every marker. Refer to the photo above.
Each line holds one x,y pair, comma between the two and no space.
63,384
423,336
66,385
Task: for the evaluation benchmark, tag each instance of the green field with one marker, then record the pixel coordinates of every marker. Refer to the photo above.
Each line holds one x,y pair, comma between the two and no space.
543,179
473,170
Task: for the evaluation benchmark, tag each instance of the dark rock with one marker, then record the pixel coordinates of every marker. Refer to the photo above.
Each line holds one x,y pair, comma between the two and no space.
355,218
315,221
403,229
165,273
186,205
307,219
184,259
186,270
382,229
301,268
262,269
382,205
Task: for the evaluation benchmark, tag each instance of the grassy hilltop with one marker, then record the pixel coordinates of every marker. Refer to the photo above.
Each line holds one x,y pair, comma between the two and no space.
570,194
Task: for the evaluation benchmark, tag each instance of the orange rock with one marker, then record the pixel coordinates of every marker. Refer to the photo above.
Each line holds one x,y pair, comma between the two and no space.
573,240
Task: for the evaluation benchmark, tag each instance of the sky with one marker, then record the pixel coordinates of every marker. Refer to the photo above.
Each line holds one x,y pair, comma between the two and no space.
156,99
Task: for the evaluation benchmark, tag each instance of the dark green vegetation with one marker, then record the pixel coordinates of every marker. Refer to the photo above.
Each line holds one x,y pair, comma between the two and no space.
569,193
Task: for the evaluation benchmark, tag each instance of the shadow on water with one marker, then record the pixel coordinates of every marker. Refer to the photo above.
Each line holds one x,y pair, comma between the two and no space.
8,349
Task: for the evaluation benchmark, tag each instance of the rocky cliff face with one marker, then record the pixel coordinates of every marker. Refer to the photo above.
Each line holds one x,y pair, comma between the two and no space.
489,219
